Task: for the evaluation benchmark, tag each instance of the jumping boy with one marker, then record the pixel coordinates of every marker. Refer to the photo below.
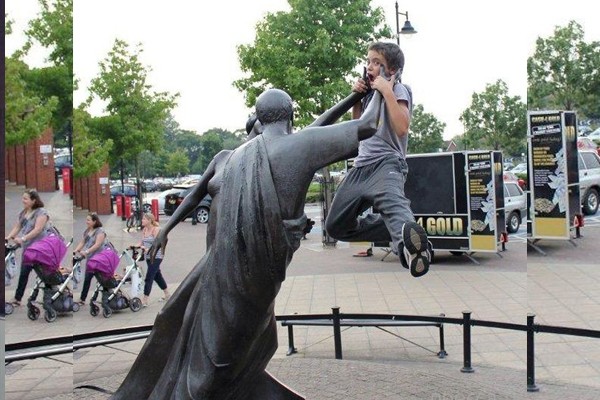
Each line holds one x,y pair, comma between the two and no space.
379,173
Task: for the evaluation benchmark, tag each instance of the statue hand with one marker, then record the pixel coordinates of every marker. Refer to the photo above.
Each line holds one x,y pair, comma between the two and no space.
160,243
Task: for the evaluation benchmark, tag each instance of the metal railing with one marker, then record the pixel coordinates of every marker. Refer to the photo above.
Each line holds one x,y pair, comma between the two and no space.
67,344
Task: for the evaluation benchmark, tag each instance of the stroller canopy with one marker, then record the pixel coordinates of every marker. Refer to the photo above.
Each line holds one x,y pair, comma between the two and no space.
48,252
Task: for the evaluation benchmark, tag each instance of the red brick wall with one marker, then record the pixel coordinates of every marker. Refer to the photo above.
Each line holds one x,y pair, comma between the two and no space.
93,190
85,199
20,164
31,164
12,163
77,192
104,204
45,173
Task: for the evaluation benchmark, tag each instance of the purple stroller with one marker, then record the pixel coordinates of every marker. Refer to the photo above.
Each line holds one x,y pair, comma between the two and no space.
45,256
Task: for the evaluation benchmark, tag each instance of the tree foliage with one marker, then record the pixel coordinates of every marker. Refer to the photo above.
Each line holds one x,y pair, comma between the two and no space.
53,29
135,113
425,132
90,153
495,120
564,72
178,164
27,115
310,52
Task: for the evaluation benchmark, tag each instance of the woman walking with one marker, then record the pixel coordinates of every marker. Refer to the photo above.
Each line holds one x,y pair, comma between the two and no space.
94,240
31,226
150,230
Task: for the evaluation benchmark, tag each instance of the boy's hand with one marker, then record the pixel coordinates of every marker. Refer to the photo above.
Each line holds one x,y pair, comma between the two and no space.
383,84
360,86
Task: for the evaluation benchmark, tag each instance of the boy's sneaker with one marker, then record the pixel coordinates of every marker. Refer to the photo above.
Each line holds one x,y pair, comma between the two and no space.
415,249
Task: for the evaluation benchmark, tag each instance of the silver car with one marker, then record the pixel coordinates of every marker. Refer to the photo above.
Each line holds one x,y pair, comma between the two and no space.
515,205
589,181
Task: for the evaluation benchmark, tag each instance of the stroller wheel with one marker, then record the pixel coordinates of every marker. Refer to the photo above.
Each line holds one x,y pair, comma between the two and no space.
106,312
33,313
75,307
94,310
8,308
135,304
50,315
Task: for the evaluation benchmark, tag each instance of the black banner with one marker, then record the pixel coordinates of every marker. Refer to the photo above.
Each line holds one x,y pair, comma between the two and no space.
548,165
481,193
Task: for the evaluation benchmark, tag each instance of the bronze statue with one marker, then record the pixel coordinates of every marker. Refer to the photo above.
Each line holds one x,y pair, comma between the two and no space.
216,334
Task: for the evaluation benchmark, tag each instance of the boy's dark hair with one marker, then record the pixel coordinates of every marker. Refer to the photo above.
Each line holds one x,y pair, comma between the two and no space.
394,57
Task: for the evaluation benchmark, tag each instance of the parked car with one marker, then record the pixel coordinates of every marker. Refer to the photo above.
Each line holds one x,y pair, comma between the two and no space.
130,190
585,143
520,169
515,205
510,176
162,199
149,186
173,200
60,161
595,135
589,181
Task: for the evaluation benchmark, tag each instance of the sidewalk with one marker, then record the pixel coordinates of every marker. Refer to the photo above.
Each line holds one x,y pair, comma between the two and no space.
388,367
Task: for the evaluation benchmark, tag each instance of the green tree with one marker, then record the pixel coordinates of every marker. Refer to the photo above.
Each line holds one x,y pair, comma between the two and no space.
425,132
212,143
136,115
495,120
27,114
89,152
310,52
178,164
53,29
564,72
189,142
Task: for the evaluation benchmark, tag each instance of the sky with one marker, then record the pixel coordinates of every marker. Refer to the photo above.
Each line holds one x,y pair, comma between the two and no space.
461,46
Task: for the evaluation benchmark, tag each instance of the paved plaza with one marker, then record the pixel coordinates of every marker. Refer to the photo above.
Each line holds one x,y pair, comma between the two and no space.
560,288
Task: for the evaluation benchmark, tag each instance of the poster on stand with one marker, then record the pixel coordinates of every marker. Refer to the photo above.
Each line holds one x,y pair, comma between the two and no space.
482,201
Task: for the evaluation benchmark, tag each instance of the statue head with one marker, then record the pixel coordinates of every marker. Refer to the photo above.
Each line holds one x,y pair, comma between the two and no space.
274,105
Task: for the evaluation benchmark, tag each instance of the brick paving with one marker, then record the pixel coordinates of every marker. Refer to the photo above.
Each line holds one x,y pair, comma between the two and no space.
561,289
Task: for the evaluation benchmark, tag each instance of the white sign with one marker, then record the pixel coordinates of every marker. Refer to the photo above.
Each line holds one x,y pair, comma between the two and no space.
46,148
104,180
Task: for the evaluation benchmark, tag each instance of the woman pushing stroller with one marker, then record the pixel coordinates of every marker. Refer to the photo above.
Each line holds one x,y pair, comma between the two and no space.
31,226
94,240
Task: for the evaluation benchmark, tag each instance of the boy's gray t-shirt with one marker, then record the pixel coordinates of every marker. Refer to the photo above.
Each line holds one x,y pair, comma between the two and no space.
385,142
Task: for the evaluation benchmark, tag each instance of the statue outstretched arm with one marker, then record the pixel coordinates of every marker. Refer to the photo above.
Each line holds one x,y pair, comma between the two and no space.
335,112
190,202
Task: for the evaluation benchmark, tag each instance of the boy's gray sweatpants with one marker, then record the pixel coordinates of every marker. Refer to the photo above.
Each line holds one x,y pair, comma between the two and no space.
380,185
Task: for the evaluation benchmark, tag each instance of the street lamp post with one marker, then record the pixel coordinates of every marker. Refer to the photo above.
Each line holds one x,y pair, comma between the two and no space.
407,29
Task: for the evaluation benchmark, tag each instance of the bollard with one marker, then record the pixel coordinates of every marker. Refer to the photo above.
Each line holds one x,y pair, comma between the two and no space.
337,334
467,343
194,217
531,386
155,209
123,211
66,177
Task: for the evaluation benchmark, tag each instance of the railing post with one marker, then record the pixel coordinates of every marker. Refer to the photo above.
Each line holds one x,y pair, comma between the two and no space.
531,386
467,342
291,348
337,334
442,353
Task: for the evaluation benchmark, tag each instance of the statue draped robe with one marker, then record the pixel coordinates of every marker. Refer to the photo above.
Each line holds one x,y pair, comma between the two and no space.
217,333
